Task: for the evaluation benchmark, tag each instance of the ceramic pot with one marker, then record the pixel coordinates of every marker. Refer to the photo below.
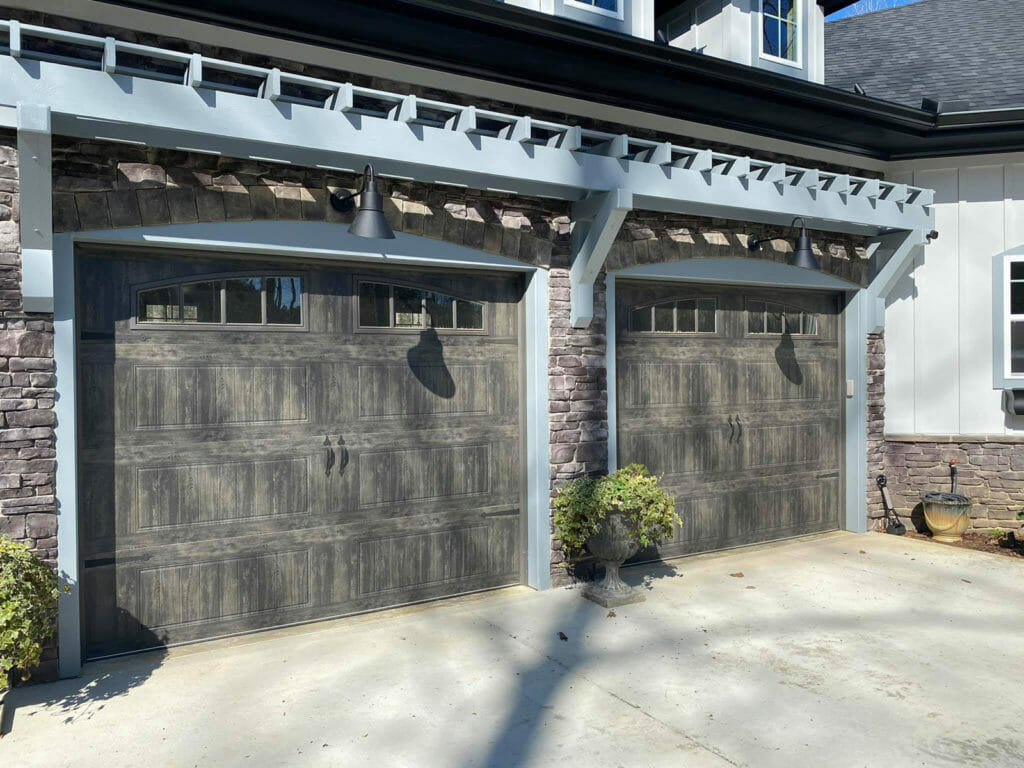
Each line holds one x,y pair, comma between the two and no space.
948,515
611,547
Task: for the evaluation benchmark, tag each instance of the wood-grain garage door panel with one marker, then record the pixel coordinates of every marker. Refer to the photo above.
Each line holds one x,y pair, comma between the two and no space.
745,426
235,478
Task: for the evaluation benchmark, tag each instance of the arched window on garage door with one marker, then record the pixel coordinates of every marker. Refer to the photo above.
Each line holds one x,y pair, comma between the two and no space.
691,316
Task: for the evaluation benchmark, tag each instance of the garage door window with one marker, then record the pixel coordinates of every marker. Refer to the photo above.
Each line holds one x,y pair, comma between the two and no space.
764,318
245,300
680,316
383,305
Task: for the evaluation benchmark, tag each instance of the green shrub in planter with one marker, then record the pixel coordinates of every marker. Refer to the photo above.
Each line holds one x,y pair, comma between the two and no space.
583,504
28,608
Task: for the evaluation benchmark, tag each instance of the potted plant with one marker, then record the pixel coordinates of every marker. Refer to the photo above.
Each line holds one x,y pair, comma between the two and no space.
28,613
614,516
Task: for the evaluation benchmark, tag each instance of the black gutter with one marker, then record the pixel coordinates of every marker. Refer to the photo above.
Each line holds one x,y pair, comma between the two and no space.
493,41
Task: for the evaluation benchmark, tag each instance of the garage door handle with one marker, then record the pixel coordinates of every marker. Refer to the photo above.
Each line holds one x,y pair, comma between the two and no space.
328,457
740,425
732,429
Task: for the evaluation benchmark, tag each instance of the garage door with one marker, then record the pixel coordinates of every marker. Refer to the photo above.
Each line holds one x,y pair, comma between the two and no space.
735,396
263,444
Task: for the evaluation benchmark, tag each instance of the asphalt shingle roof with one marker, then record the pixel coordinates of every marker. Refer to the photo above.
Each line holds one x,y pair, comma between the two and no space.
940,49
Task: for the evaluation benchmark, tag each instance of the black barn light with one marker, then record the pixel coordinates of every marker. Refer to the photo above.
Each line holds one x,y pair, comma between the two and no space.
803,255
370,220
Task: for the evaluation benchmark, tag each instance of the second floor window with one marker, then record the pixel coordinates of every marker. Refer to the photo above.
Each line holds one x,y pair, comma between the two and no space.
780,22
608,6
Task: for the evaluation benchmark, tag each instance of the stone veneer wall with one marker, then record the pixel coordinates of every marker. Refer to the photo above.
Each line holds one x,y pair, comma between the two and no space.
990,468
28,511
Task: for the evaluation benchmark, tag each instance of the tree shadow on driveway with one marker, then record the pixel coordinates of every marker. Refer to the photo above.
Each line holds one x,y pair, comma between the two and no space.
82,697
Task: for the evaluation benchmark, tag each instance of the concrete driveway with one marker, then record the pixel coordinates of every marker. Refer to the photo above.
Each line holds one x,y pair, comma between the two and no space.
844,650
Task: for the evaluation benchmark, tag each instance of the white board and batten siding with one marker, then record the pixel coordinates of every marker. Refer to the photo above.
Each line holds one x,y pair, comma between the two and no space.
938,320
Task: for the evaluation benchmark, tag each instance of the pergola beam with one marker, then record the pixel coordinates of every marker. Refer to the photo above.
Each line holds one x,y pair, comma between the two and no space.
35,188
94,104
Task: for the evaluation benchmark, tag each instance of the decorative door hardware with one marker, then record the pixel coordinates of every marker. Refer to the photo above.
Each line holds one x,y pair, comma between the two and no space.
343,450
735,429
331,458
328,456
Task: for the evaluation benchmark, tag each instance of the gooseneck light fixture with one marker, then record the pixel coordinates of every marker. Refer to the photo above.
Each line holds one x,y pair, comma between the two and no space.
370,220
803,255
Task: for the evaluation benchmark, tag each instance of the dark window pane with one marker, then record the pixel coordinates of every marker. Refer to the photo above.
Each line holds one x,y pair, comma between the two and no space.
706,315
663,317
641,319
408,307
284,300
770,7
159,305
755,317
470,316
1017,298
810,325
1017,270
792,322
1017,347
686,319
440,310
773,318
787,10
374,305
201,302
771,36
243,300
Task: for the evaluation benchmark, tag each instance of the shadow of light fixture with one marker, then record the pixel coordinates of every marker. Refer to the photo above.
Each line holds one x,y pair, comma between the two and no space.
369,220
803,254
426,361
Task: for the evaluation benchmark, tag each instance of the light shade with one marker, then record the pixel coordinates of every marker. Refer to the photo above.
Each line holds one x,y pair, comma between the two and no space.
803,253
804,256
369,220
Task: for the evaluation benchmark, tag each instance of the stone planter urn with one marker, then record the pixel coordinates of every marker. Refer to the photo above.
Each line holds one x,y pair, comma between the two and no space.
611,547
947,515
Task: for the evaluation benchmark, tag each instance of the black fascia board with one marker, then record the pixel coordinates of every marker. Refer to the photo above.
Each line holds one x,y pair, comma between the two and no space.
831,6
502,43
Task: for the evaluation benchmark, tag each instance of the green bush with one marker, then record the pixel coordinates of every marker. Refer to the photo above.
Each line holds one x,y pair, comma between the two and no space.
583,504
28,608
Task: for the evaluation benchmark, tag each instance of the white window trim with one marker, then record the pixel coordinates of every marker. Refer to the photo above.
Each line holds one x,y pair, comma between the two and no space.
1008,319
799,63
619,13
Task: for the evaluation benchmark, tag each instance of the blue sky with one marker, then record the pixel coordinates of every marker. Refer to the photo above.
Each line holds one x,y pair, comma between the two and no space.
866,5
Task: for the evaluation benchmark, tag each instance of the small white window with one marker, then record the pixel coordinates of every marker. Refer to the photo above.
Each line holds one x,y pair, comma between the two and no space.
231,300
780,30
383,305
611,8
765,318
684,316
1013,318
